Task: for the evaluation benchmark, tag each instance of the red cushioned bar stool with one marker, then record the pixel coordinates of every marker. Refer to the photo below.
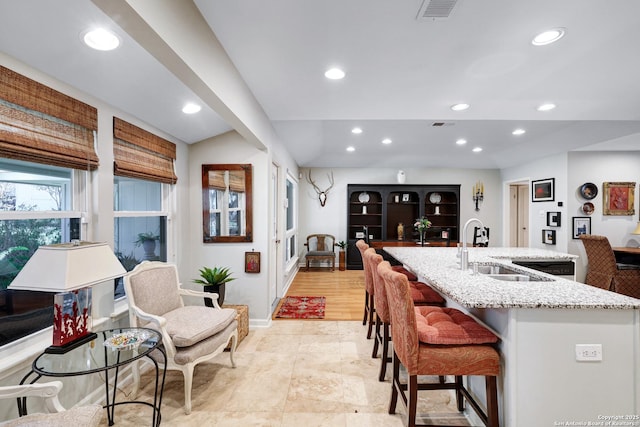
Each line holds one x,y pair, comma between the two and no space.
420,293
438,341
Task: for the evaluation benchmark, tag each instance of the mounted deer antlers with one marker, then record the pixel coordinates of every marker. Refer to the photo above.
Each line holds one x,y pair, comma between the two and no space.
322,195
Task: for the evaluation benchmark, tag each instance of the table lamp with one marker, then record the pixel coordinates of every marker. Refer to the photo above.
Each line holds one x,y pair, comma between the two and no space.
69,269
637,230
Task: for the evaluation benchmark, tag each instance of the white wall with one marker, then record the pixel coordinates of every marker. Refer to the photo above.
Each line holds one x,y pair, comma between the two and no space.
549,167
332,218
249,289
597,168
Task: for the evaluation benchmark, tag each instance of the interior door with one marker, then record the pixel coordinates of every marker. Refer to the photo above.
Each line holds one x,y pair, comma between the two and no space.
523,216
275,252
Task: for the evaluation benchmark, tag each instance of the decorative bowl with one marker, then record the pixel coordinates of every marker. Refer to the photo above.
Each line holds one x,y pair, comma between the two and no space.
588,208
588,190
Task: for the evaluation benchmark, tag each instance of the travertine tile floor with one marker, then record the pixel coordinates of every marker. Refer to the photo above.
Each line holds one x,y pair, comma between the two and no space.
295,373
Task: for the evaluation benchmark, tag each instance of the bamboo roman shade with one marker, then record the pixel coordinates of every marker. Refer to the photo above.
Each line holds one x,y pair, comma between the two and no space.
236,180
141,154
40,124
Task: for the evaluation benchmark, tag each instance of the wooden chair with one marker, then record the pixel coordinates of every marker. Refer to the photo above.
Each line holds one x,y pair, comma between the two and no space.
191,334
481,237
430,341
421,294
321,247
603,271
57,415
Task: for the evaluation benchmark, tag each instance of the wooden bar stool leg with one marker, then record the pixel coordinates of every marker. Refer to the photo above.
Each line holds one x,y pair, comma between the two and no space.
492,401
412,403
459,395
371,311
366,307
377,337
395,383
384,358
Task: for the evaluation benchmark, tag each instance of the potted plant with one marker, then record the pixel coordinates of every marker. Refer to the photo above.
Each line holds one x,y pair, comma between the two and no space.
342,255
214,280
148,242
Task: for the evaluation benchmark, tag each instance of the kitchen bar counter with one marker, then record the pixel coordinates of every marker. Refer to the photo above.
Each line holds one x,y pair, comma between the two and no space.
569,351
439,267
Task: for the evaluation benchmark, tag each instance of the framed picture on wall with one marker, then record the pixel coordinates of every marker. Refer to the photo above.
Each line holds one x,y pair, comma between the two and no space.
581,225
618,198
549,237
553,219
252,262
543,190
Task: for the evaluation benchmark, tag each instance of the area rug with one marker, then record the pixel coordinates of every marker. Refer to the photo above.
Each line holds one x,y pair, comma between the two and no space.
302,308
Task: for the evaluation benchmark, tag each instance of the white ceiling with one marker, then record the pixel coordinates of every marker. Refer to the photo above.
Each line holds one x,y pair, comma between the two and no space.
403,74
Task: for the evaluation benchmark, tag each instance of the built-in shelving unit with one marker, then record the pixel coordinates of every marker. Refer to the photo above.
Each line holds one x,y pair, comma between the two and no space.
375,211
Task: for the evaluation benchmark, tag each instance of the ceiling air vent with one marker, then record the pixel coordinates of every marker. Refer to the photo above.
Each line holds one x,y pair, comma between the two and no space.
436,9
441,124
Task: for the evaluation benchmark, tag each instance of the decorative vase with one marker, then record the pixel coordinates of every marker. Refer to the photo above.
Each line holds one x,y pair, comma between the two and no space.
216,289
400,231
421,237
149,247
342,260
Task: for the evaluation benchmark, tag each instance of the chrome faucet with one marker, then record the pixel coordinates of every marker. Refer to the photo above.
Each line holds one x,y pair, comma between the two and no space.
464,257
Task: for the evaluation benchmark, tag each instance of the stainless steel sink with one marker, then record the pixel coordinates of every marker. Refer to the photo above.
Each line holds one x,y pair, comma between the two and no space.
505,273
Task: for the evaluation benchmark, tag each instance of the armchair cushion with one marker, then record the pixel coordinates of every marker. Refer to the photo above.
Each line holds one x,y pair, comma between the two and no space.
89,416
438,325
186,355
191,324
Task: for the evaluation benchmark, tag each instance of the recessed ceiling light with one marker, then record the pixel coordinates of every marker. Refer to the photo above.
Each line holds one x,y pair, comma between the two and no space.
548,37
334,74
191,108
461,141
356,130
101,39
519,132
546,107
351,149
477,150
459,107
387,141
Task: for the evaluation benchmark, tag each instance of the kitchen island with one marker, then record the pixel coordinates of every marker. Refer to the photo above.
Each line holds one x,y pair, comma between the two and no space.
545,324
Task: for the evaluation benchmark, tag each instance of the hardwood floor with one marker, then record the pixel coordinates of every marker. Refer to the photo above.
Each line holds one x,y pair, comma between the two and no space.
343,290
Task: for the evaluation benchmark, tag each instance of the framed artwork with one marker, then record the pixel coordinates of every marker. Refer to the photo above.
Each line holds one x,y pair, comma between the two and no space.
549,237
581,225
252,262
405,197
553,219
618,198
543,190
444,234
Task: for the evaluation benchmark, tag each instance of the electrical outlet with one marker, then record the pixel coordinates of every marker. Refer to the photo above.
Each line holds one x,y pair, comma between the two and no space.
589,352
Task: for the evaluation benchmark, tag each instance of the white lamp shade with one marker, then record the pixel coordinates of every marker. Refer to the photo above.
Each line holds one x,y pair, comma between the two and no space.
68,266
637,230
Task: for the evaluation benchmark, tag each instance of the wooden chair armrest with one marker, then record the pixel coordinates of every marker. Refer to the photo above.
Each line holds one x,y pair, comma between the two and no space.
210,295
158,320
49,391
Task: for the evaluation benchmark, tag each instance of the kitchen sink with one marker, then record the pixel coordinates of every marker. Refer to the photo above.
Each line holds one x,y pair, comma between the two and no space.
505,273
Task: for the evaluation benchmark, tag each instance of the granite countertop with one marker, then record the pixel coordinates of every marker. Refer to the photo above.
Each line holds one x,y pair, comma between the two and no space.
439,267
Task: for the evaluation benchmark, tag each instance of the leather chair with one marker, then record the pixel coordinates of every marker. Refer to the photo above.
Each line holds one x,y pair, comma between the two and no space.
321,247
437,341
190,334
57,416
603,271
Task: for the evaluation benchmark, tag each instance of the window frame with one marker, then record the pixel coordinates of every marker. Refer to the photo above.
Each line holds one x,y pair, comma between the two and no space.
291,234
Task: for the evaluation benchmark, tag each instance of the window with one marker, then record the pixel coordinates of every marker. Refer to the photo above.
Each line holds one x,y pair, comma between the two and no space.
140,232
36,208
291,231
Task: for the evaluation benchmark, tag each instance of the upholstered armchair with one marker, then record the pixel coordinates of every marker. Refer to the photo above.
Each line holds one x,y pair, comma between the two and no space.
190,334
57,416
321,247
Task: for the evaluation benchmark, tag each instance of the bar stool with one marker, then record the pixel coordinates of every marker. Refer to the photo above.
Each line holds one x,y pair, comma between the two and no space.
438,341
421,294
368,289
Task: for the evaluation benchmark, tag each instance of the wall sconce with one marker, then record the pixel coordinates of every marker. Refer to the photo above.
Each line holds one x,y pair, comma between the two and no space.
478,193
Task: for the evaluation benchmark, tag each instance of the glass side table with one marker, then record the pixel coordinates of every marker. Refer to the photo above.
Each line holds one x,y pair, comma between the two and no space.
111,350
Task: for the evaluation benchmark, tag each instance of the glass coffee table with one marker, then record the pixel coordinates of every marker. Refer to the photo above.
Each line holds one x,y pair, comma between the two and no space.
107,353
